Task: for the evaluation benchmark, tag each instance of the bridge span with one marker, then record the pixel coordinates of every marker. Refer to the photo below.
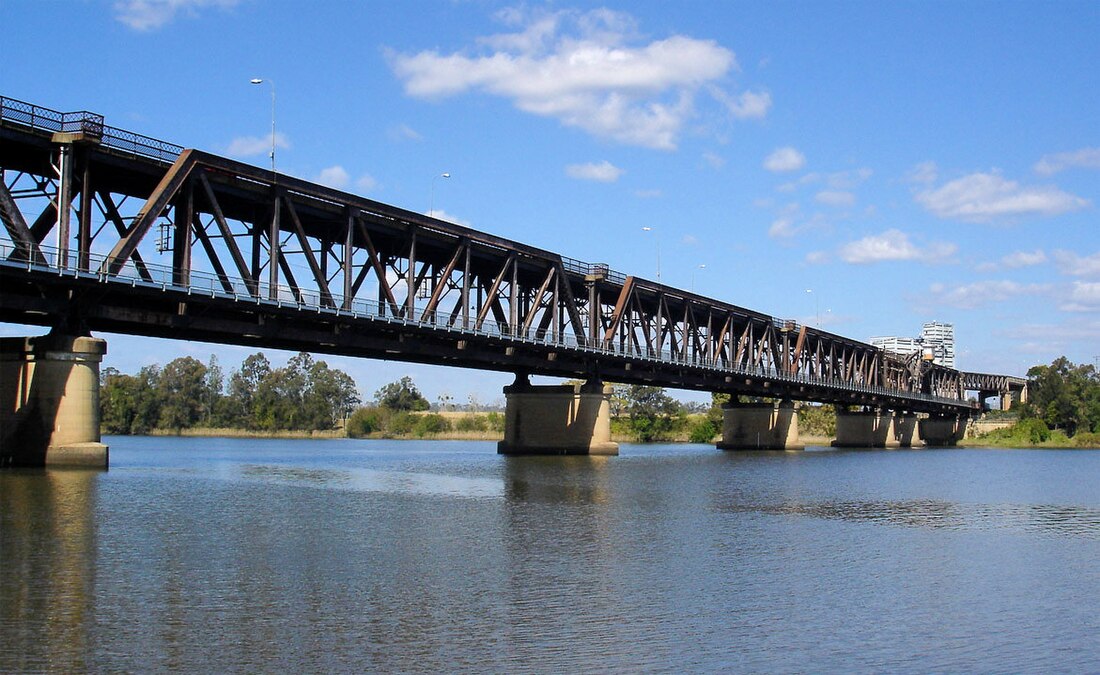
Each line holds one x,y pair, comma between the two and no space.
108,230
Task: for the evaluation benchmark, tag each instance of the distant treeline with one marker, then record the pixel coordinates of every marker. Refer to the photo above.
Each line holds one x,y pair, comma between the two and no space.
1063,408
305,395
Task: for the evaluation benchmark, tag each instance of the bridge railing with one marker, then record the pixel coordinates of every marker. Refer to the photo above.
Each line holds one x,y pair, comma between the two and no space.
44,119
207,284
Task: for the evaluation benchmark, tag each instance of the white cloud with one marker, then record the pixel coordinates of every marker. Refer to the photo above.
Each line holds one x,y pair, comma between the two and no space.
1077,265
403,132
147,15
924,173
981,197
248,146
785,159
749,105
817,257
835,198
1083,297
580,68
648,194
601,172
1085,158
713,160
443,215
970,296
1024,259
334,177
893,245
366,183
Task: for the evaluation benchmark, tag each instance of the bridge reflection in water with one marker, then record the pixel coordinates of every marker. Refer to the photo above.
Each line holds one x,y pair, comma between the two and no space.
384,282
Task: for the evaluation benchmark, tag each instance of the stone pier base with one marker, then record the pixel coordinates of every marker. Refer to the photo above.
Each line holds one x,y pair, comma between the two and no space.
943,430
557,419
760,426
865,429
49,401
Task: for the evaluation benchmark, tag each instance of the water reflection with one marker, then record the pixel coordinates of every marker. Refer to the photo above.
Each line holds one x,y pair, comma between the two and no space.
47,568
1051,519
368,480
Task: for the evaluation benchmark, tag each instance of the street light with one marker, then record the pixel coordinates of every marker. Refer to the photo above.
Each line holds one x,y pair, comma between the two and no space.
658,242
260,80
700,267
431,204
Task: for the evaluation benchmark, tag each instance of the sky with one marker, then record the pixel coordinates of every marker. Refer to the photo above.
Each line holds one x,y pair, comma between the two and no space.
860,166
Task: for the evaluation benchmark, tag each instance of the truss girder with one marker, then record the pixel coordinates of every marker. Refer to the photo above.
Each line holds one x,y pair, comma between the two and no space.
212,224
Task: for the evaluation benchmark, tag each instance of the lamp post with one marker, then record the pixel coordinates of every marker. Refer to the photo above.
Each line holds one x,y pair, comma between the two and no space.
700,267
817,307
656,239
431,203
260,80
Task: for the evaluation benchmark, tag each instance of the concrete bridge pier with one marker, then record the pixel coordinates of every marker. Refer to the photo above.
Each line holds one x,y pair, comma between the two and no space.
49,401
872,428
760,426
557,419
906,432
943,430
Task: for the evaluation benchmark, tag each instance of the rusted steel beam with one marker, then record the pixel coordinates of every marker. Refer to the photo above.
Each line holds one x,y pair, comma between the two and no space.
164,193
17,227
110,212
227,236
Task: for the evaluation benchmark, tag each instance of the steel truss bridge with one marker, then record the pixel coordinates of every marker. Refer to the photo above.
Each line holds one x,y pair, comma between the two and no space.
109,230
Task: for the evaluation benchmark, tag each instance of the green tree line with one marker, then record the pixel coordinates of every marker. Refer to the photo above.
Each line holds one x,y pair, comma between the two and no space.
306,395
1063,408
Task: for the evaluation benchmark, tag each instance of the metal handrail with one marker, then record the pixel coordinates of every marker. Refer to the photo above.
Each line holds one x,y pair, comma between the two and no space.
207,284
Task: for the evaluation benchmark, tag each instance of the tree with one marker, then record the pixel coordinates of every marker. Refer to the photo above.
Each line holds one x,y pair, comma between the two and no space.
653,413
243,386
1064,396
330,396
401,396
180,391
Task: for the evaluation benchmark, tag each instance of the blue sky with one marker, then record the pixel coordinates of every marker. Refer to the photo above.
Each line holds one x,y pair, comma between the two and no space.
903,161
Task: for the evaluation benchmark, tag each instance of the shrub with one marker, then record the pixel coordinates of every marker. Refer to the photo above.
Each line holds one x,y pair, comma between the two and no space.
1087,440
703,430
428,425
495,421
471,423
365,421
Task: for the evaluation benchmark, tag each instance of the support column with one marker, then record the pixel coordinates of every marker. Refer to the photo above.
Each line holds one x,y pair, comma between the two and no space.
760,426
905,430
865,429
943,430
49,401
557,419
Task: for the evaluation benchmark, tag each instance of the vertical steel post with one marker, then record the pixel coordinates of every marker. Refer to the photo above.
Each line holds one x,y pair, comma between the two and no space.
64,202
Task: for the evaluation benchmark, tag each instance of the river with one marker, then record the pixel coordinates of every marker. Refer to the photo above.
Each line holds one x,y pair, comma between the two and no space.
237,555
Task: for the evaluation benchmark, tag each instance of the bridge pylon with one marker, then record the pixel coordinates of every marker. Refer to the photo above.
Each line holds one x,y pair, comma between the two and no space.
760,426
49,401
566,419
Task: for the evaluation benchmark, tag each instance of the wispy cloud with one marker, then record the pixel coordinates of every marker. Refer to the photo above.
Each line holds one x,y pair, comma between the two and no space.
978,294
1078,265
983,197
1024,258
1084,296
249,146
894,245
838,198
748,105
1085,158
588,70
148,15
403,132
785,159
334,177
601,172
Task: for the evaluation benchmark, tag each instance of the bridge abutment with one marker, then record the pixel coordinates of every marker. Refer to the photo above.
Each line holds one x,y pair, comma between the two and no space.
557,419
943,430
49,401
760,426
